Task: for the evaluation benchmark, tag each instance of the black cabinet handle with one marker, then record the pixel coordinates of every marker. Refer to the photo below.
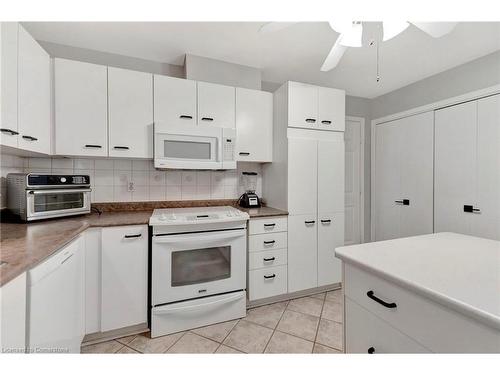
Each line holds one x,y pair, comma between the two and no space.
93,146
269,225
471,208
404,202
133,235
187,117
269,242
326,221
244,153
269,259
207,119
372,296
371,350
310,120
309,222
10,131
270,277
326,122
30,138
121,148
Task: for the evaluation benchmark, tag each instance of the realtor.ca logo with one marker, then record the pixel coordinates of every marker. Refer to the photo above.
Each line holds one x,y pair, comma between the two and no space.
34,350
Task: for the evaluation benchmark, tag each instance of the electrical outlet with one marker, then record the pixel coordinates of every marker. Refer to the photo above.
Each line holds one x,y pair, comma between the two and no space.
131,186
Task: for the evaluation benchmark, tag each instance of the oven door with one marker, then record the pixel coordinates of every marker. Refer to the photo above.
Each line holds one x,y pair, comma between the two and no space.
47,203
186,266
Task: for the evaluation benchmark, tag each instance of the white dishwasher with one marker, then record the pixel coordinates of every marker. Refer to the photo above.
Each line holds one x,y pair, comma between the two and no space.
56,315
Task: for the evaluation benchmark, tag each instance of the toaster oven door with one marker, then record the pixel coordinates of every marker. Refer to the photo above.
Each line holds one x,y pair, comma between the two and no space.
47,203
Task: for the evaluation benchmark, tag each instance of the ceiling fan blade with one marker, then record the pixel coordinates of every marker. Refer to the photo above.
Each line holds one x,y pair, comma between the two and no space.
275,26
334,56
436,29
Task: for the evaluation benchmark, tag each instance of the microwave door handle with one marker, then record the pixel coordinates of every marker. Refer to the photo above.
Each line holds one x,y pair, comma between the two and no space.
178,239
57,191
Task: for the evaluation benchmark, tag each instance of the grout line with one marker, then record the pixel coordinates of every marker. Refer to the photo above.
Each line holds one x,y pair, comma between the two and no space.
276,327
135,350
176,341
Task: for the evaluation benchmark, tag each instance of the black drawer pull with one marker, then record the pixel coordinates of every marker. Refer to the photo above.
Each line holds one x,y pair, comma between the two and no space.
10,131
310,120
372,296
269,225
269,259
270,277
93,146
309,222
326,122
470,208
244,153
207,119
269,242
121,148
371,350
187,117
133,235
404,202
30,138
326,221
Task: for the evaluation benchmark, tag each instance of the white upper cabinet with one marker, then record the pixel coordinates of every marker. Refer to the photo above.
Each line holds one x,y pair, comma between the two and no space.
331,109
216,105
33,95
331,175
302,105
8,84
174,101
80,108
254,125
130,113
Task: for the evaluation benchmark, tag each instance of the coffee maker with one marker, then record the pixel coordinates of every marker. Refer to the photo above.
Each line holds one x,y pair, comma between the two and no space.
249,199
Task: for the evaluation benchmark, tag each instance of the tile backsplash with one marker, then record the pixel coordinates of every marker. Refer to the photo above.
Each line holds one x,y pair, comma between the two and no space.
126,180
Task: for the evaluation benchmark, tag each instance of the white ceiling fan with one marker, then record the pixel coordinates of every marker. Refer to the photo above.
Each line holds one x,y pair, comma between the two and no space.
351,34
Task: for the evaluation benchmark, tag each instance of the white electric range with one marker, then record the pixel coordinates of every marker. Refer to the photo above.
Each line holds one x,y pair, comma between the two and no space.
198,267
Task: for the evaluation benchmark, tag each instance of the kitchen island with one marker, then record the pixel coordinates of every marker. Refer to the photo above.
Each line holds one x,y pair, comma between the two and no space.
430,293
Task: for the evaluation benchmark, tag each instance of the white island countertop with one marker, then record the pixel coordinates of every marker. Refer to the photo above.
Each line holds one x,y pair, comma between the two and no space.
455,270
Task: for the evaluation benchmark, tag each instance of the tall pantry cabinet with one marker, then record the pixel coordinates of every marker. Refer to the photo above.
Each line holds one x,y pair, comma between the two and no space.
306,178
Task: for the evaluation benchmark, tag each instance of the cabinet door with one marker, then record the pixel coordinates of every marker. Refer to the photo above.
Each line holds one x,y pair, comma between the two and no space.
416,171
331,175
302,176
302,105
302,252
254,125
386,220
124,271
216,105
330,236
455,167
331,109
33,95
487,222
80,108
13,314
8,84
174,101
130,111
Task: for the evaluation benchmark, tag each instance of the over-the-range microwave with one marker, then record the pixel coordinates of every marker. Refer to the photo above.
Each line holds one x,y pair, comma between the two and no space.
194,147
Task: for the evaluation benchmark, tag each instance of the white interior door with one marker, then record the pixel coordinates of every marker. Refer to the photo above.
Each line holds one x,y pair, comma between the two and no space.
352,138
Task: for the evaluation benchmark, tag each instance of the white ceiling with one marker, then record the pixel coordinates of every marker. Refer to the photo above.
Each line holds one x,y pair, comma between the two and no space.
295,53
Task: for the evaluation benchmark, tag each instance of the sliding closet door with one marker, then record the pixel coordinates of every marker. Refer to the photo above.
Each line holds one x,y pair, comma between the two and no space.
387,181
455,167
486,223
416,153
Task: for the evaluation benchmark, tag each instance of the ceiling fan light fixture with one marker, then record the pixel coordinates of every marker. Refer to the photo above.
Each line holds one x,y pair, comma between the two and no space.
352,37
393,28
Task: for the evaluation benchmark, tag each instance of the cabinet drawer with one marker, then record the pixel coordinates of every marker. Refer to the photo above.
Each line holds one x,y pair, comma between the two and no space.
266,259
268,225
433,325
365,332
269,241
267,282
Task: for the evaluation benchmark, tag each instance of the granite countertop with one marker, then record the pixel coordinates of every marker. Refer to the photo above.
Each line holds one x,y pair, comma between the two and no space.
458,271
24,245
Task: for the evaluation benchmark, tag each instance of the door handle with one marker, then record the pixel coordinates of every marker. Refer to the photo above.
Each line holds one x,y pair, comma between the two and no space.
270,225
244,153
326,122
121,148
270,276
404,202
389,305
326,221
10,131
309,222
269,259
30,138
269,242
207,119
187,117
132,235
93,146
310,120
471,209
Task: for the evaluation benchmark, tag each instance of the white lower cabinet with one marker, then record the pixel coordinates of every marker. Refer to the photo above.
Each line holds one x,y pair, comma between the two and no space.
330,236
124,275
267,282
13,315
92,240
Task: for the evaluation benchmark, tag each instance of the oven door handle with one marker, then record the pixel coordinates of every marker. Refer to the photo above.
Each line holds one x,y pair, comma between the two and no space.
57,191
205,237
170,310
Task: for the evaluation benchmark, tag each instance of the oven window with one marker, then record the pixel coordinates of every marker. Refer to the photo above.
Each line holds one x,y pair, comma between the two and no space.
52,202
187,150
201,265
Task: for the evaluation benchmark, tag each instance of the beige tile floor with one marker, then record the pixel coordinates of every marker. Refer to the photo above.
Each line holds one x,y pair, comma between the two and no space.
304,325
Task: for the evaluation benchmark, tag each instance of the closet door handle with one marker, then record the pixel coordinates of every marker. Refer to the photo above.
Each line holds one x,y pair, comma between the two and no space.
10,131
207,119
309,222
270,277
133,235
269,259
326,122
326,221
310,120
269,242
244,153
93,146
187,117
389,305
470,208
30,138
121,148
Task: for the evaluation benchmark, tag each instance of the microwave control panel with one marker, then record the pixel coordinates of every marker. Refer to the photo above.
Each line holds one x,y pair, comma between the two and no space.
229,149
